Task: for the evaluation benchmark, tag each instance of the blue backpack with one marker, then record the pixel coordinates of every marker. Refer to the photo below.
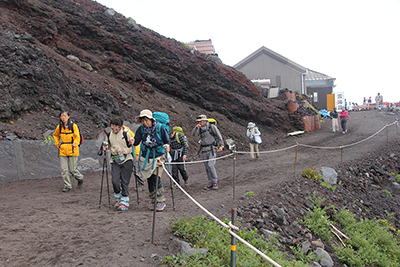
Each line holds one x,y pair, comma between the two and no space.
161,119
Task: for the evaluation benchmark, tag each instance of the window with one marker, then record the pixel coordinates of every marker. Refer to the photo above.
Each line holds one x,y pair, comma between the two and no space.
315,96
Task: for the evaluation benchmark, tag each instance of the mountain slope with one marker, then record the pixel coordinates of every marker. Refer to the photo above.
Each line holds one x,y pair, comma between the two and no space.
120,68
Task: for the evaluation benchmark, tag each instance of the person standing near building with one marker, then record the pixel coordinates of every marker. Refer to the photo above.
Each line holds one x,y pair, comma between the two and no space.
344,117
154,144
67,140
252,131
208,133
335,120
178,154
119,145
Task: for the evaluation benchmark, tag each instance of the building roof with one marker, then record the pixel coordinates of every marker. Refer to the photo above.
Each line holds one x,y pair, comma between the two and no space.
272,54
203,46
317,76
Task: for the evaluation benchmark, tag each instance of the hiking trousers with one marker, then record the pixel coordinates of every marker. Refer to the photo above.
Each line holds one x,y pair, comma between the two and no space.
210,165
344,124
179,168
335,124
68,165
254,148
121,176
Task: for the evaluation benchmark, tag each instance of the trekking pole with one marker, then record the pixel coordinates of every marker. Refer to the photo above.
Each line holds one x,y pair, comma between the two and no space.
102,177
170,185
108,186
295,159
73,167
154,211
136,180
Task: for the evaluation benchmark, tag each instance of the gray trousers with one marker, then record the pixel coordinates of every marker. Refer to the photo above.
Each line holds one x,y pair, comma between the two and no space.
210,165
68,165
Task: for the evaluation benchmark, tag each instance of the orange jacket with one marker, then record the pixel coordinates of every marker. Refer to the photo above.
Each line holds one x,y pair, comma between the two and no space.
65,138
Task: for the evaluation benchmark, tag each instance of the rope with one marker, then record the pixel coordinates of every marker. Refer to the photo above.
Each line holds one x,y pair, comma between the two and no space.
230,227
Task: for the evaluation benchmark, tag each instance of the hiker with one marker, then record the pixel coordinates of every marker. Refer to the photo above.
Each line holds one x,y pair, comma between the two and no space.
178,153
67,140
252,132
208,133
344,117
155,143
119,145
335,120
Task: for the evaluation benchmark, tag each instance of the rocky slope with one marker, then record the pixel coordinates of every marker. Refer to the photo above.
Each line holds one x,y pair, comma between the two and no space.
81,56
368,188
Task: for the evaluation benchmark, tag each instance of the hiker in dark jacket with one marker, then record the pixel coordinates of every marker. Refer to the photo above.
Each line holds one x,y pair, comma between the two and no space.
155,142
207,133
335,120
178,154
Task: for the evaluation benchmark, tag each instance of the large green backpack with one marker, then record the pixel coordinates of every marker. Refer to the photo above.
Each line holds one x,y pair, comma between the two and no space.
179,130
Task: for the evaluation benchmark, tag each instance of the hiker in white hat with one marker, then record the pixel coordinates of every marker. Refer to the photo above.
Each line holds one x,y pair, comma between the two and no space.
254,139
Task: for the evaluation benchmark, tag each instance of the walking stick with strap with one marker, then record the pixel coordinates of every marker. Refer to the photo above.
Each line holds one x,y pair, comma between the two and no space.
154,211
73,162
170,182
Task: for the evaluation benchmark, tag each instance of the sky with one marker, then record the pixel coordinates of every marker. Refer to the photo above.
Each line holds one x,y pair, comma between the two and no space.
356,42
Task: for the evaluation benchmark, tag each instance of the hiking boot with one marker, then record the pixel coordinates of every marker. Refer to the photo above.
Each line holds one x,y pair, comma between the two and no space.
66,189
116,205
160,206
80,183
214,186
122,207
208,187
187,182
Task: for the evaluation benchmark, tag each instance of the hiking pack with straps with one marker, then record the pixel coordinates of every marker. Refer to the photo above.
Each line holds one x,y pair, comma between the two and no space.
179,130
72,129
162,119
209,128
125,131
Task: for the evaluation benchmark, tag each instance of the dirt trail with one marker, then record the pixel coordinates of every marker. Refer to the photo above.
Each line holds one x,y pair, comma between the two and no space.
40,226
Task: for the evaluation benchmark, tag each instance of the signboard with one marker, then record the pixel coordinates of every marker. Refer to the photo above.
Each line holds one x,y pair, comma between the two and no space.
340,105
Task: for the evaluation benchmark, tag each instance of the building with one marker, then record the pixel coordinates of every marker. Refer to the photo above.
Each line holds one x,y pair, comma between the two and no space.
204,46
265,64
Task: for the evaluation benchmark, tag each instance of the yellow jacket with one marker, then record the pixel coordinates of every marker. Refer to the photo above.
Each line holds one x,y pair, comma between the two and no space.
65,138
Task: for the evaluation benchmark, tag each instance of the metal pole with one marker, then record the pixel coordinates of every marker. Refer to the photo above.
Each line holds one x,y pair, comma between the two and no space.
387,134
233,240
234,212
154,211
341,154
295,158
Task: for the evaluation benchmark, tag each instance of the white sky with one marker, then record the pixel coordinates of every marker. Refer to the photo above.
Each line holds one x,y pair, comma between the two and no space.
355,41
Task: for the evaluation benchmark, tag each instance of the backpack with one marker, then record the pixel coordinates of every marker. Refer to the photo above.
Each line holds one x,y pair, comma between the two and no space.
72,129
125,131
179,130
162,119
214,121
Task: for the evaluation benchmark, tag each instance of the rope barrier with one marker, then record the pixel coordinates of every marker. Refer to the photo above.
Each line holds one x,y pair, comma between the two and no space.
230,227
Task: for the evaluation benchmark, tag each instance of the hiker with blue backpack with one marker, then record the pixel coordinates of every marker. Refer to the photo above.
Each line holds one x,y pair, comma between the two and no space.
120,141
178,144
154,143
67,139
208,134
